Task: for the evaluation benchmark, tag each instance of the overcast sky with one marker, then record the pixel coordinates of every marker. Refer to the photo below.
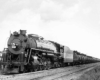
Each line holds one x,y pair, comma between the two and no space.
74,23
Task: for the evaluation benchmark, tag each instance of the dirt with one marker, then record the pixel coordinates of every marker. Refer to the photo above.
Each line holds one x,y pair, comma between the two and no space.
93,74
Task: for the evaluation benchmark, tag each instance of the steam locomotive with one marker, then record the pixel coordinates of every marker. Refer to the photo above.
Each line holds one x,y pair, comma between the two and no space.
26,53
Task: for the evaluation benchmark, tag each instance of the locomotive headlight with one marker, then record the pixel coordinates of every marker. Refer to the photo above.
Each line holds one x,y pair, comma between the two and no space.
13,45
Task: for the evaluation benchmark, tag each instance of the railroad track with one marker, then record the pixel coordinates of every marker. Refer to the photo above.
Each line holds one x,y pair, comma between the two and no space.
47,74
33,74
63,74
58,76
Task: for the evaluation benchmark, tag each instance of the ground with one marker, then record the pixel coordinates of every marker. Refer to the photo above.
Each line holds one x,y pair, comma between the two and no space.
93,74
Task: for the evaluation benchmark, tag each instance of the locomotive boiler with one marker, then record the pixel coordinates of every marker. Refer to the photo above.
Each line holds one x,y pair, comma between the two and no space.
18,42
30,52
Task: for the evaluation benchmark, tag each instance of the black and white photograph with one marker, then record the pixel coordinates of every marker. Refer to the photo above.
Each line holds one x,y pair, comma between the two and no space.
49,39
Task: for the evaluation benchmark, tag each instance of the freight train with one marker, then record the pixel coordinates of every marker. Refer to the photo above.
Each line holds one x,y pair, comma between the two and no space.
30,52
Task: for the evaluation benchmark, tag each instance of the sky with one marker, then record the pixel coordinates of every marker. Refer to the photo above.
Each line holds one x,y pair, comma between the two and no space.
73,23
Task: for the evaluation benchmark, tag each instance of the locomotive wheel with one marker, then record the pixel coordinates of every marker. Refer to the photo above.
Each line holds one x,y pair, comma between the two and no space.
21,69
61,64
56,65
48,64
36,68
41,67
44,63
